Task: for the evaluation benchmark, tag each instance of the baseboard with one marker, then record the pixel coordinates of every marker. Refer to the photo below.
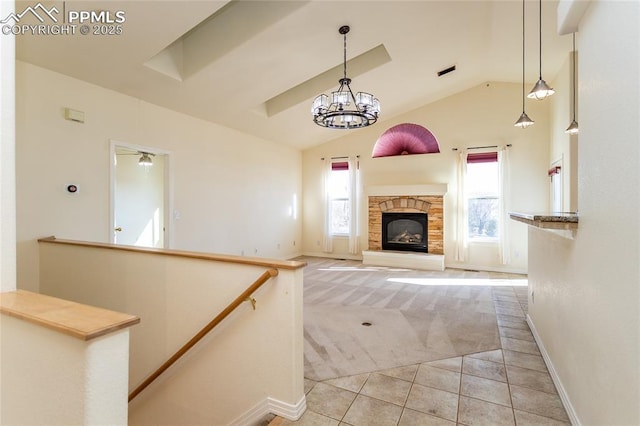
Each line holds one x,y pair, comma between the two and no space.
451,265
573,416
337,256
271,406
501,269
288,411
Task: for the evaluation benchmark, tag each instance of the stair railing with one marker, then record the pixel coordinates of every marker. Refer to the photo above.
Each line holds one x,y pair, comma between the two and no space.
244,297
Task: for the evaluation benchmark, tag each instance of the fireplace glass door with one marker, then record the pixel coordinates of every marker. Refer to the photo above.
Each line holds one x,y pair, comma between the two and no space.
404,231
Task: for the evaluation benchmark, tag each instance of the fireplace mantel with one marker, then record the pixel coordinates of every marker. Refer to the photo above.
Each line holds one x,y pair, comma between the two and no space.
398,190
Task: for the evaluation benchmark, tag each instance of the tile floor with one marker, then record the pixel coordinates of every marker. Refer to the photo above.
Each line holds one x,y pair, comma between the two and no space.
509,385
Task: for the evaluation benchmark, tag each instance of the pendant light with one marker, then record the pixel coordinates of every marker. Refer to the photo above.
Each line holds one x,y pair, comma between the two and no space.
573,127
346,110
541,89
145,159
524,121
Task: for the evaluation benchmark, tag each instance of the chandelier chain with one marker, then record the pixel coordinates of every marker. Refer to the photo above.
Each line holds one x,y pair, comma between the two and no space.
344,61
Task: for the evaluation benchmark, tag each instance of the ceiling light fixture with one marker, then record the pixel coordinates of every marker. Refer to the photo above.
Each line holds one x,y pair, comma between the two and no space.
541,89
573,127
337,114
145,160
524,121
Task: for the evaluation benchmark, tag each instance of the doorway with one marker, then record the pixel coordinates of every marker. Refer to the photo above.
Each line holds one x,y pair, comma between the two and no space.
140,199
555,174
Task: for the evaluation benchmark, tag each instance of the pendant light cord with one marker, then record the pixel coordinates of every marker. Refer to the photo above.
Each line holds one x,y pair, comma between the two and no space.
523,55
540,47
574,76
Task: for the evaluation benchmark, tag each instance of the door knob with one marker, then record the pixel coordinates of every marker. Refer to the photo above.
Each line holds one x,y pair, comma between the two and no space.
119,229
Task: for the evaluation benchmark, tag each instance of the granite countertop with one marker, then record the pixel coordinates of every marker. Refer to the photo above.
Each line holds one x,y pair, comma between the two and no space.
551,220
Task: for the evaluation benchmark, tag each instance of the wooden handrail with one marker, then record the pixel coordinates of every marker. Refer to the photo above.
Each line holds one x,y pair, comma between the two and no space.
195,339
241,260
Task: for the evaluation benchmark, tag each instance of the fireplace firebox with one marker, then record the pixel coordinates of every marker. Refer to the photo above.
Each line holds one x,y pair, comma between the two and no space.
404,231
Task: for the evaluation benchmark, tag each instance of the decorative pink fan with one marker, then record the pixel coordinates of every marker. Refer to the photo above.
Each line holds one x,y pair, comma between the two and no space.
405,139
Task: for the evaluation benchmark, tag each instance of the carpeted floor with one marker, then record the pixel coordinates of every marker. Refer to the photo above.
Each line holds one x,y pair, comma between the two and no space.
360,319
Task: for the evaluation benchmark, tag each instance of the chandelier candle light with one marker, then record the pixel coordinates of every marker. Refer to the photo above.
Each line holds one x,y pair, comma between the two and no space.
541,89
346,110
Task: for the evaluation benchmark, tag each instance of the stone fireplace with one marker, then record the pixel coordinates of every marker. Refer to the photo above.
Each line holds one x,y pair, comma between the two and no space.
415,245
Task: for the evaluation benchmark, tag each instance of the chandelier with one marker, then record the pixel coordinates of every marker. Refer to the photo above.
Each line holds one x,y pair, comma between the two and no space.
346,110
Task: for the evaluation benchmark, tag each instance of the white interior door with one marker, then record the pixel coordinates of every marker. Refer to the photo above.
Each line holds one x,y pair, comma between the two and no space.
139,199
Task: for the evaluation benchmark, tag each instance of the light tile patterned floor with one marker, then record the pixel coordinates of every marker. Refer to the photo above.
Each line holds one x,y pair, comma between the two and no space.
506,385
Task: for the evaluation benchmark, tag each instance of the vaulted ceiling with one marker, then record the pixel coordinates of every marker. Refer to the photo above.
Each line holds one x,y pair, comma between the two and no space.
257,65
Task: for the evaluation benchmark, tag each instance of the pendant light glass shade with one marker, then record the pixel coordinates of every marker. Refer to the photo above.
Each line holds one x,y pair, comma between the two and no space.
541,89
524,121
573,127
344,110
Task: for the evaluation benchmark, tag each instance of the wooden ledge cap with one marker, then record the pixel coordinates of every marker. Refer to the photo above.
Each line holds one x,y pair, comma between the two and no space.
81,321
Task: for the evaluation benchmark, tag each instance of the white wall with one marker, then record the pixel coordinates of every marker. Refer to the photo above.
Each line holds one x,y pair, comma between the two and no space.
482,115
7,158
587,290
55,379
233,192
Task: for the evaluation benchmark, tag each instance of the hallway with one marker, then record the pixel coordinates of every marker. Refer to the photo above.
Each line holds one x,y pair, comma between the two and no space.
387,346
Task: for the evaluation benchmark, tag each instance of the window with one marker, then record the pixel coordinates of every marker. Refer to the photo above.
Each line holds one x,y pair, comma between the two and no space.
483,196
340,205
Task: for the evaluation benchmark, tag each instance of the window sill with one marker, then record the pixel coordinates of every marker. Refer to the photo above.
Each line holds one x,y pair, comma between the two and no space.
484,241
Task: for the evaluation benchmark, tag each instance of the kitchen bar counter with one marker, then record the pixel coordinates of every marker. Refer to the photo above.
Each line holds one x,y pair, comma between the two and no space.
553,220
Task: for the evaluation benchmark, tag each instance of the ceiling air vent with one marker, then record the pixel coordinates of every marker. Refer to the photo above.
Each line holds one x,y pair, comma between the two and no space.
446,70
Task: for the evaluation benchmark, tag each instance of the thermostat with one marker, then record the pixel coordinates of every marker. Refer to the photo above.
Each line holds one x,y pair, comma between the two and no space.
73,115
72,188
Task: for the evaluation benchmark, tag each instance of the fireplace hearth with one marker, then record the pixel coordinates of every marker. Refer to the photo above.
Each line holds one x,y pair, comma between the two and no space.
403,231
